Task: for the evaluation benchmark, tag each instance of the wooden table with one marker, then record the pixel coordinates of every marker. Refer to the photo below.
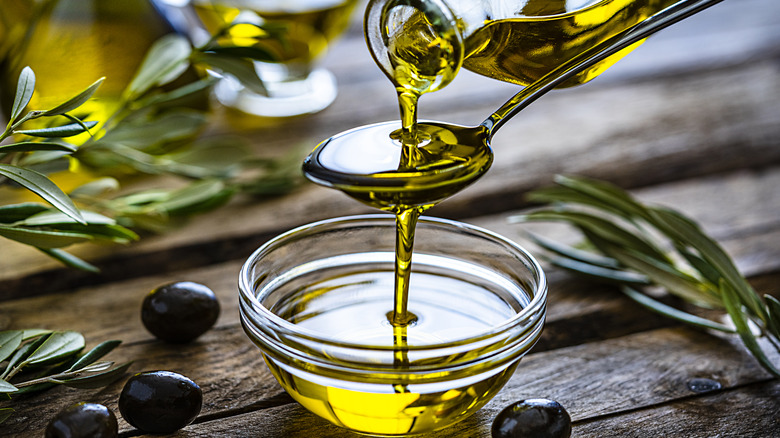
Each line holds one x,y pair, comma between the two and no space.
690,120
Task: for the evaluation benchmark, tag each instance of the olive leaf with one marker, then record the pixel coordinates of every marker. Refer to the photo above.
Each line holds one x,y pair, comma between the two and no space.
22,353
70,260
57,347
9,342
43,238
24,91
241,69
97,379
165,61
29,146
16,212
6,387
94,354
732,302
673,312
76,101
626,237
68,130
43,187
57,360
773,309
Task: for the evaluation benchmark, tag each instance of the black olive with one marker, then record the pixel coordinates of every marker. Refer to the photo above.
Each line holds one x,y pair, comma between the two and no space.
537,418
180,312
87,420
160,401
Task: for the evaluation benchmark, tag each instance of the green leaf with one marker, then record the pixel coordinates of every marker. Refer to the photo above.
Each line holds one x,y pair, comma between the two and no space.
42,238
5,413
605,194
178,93
29,146
734,308
688,233
34,333
198,196
43,187
75,101
603,228
69,260
16,212
57,347
97,380
68,130
96,187
94,354
241,69
600,272
55,217
145,133
666,275
22,354
24,91
773,309
6,387
10,340
165,61
672,312
573,253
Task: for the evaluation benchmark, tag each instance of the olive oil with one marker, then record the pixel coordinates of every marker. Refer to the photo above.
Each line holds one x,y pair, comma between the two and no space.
306,27
548,33
71,43
350,308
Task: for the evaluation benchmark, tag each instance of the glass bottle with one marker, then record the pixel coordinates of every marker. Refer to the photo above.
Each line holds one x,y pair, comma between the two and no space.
71,43
516,41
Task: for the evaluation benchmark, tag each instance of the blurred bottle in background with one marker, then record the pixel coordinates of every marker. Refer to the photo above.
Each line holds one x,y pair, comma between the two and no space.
299,35
71,43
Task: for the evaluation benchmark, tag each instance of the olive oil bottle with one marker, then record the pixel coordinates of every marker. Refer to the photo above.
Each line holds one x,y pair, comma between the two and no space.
71,43
546,33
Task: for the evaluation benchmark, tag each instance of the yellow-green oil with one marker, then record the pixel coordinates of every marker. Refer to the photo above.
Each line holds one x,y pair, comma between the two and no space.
297,32
550,32
69,44
409,168
350,309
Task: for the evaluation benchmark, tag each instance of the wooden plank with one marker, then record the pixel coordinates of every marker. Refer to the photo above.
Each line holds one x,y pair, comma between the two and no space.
634,133
655,133
748,412
753,240
589,380
235,381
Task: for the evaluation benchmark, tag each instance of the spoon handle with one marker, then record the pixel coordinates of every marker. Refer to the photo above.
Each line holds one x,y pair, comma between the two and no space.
586,59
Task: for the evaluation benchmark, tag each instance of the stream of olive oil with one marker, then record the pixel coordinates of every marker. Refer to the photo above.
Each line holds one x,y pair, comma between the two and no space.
409,168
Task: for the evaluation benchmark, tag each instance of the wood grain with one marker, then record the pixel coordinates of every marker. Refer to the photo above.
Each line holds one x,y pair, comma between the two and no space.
635,129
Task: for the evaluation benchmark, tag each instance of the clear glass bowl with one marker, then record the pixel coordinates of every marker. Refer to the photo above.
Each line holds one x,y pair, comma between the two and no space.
315,300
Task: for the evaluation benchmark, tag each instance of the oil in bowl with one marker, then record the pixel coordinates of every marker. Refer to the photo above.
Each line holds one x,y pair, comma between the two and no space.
316,302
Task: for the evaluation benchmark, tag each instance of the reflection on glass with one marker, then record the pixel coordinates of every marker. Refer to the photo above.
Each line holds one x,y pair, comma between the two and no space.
298,36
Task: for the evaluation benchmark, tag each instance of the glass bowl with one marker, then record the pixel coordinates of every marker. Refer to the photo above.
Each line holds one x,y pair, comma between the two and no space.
315,301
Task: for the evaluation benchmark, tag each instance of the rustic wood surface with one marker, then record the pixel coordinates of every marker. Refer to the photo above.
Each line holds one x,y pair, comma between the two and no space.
691,120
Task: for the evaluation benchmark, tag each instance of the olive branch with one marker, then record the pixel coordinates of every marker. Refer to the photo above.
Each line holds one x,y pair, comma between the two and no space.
637,246
35,360
154,131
